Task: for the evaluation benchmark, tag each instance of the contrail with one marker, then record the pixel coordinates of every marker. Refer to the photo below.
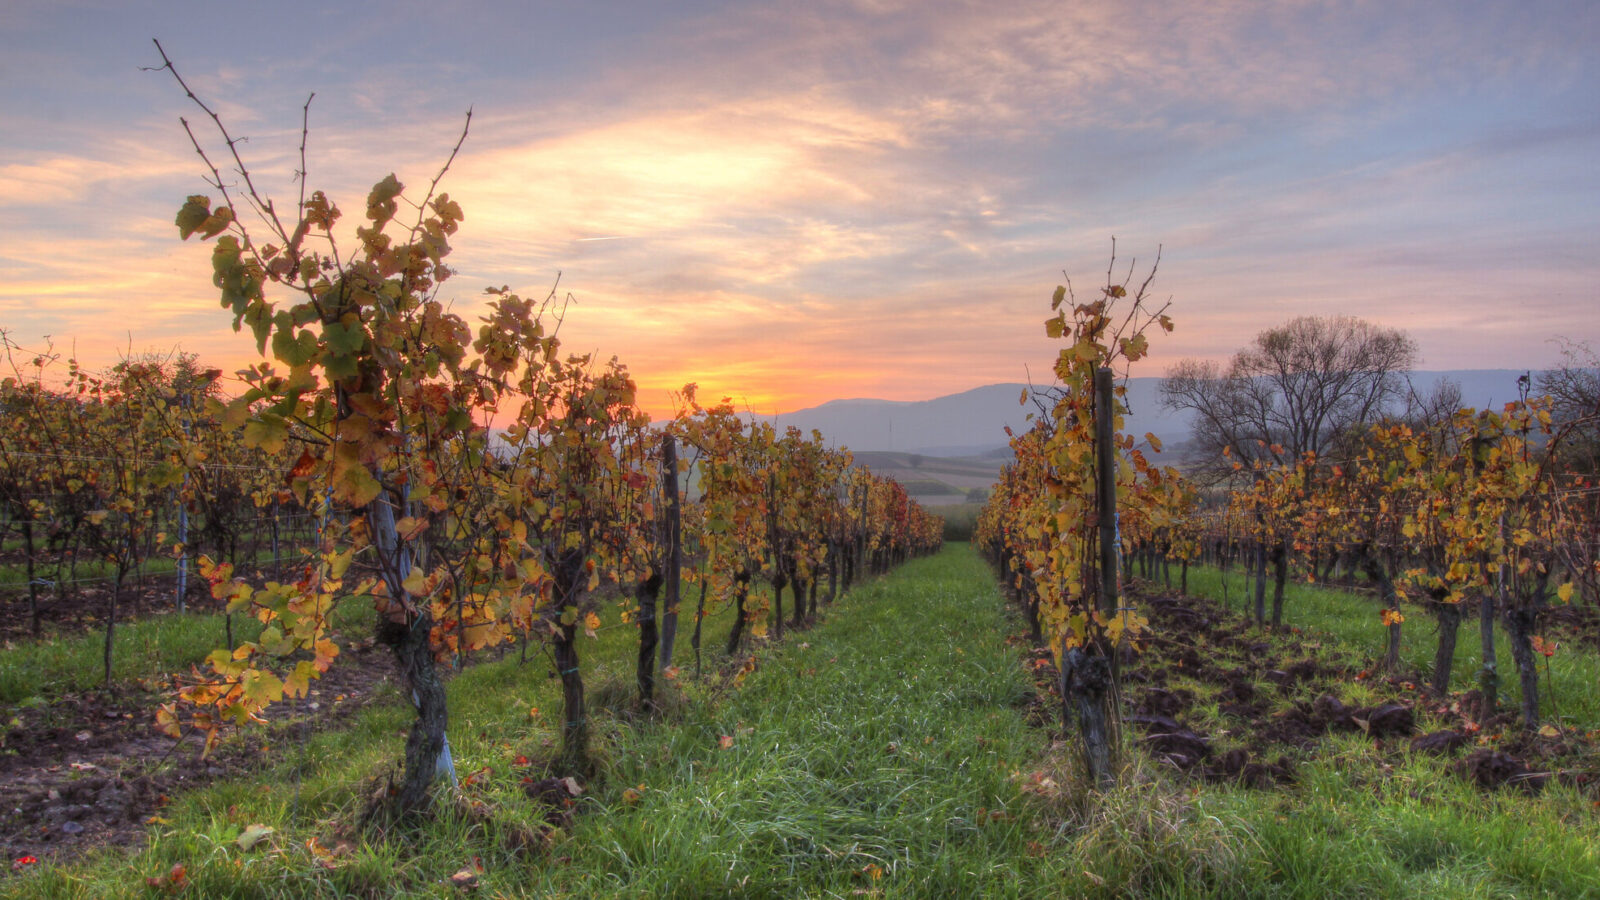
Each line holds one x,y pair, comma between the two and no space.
616,237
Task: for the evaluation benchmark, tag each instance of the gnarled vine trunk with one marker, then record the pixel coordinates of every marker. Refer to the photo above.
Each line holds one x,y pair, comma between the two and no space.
574,758
427,749
1489,672
1280,578
1449,616
427,756
1086,703
1261,583
741,594
1519,622
647,593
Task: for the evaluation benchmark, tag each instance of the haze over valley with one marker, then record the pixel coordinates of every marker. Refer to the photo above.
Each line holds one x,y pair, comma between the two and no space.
949,449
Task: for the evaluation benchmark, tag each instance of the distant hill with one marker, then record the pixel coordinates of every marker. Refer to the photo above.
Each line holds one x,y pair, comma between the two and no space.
949,450
967,430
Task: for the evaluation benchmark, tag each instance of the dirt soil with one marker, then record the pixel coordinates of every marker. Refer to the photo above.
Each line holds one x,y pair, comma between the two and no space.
1221,701
84,609
91,769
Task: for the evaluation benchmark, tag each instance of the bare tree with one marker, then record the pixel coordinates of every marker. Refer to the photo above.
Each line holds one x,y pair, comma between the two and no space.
1433,410
1574,388
1294,390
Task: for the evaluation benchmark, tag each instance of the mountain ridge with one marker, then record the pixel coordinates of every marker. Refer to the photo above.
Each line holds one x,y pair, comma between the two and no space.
973,422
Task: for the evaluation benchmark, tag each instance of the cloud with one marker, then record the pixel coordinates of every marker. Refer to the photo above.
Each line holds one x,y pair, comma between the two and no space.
795,202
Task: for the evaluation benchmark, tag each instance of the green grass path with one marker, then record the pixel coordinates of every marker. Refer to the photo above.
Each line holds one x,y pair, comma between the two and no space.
874,751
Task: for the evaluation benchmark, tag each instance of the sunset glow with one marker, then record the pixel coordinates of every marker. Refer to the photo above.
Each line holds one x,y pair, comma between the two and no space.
788,204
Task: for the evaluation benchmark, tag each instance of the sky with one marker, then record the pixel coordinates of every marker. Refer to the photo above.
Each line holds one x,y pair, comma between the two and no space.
793,202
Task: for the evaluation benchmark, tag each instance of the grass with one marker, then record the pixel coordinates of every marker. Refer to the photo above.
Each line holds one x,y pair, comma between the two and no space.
144,652
90,568
1352,620
883,753
1357,824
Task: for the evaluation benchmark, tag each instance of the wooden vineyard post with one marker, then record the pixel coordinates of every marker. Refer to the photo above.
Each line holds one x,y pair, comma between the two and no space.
1088,673
674,550
183,540
1106,490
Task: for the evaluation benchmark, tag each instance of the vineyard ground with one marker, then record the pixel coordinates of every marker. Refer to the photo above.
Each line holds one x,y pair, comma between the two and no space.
902,748
147,648
1351,618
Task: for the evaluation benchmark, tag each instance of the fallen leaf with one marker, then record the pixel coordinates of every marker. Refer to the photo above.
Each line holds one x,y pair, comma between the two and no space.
253,835
175,880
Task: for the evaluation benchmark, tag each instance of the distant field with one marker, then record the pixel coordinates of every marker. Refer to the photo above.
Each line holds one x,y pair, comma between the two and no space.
959,520
938,481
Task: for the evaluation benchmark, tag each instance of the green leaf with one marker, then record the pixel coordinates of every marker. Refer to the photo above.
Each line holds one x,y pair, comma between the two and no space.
259,315
236,413
271,637
416,582
344,339
338,368
457,421
267,432
298,684
294,348
339,563
356,487
1058,296
262,687
196,210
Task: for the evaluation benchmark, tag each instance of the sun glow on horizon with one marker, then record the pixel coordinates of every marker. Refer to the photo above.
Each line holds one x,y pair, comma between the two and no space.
852,200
